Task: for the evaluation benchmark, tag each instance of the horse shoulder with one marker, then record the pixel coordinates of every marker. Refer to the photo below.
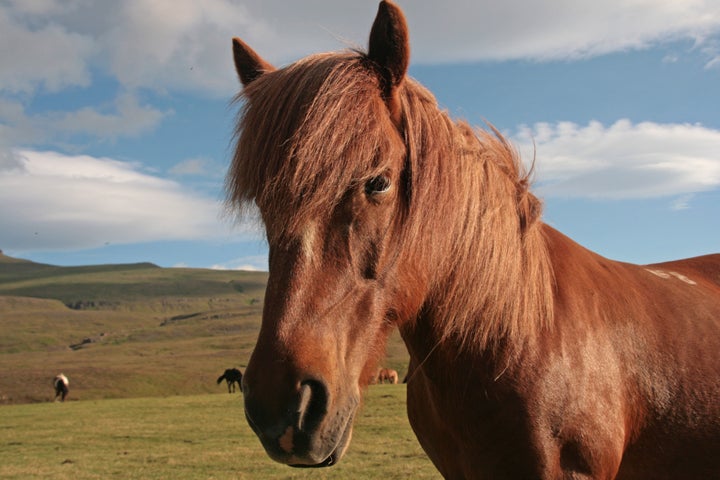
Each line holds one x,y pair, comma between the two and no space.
644,339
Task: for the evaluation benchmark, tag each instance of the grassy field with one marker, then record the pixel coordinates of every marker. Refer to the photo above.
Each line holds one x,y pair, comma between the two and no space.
120,331
143,347
193,437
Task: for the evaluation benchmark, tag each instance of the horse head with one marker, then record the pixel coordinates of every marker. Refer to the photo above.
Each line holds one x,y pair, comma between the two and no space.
324,160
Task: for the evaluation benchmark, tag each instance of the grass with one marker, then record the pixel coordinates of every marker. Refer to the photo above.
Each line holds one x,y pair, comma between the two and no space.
135,330
190,437
143,347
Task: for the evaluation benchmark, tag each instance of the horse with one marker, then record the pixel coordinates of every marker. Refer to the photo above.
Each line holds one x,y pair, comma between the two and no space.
387,375
530,355
231,376
61,384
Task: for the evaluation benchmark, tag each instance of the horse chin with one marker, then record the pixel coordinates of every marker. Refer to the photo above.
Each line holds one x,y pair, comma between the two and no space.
335,456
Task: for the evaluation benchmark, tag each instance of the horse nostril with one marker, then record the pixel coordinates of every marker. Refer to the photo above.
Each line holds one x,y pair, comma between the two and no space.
305,394
312,406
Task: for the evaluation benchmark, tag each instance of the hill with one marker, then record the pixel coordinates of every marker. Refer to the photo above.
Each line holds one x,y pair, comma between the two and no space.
131,330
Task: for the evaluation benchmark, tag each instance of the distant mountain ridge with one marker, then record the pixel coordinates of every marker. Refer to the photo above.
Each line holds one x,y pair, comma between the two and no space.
8,259
114,284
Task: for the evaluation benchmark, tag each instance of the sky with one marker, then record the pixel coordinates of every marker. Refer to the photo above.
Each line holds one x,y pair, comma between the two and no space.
116,118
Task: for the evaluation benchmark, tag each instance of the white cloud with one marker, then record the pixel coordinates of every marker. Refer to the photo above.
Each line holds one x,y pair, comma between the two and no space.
624,160
57,202
173,44
554,29
184,44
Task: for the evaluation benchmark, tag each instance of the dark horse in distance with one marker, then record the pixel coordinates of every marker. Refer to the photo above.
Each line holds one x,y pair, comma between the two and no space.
61,384
231,376
531,357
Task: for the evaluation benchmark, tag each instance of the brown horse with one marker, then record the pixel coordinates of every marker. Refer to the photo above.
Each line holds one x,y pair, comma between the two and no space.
387,375
531,357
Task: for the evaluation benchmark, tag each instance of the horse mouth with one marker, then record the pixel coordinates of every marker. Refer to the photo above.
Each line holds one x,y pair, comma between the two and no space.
304,457
337,453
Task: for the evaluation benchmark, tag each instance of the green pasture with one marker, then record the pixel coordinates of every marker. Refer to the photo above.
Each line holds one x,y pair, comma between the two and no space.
191,436
136,330
143,347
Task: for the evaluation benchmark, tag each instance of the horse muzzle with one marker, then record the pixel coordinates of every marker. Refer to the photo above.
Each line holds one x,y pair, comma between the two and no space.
303,431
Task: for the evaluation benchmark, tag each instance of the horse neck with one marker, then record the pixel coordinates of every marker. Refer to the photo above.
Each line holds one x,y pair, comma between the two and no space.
489,272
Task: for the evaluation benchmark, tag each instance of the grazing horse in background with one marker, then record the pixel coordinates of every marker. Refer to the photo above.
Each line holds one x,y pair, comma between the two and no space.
387,375
531,356
231,376
61,384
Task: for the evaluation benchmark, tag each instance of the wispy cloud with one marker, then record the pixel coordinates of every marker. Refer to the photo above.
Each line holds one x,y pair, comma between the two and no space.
197,167
252,263
123,117
681,203
623,160
711,49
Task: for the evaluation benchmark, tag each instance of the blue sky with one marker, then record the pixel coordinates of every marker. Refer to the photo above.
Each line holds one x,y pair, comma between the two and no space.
116,121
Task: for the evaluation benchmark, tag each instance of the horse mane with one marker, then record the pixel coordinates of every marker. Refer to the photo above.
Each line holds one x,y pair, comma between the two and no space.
471,185
311,130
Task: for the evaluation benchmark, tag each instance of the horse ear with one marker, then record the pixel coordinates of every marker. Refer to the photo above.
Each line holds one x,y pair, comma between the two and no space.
389,45
389,49
249,65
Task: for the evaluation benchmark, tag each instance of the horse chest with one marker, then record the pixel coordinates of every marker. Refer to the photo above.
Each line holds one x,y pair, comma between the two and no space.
483,434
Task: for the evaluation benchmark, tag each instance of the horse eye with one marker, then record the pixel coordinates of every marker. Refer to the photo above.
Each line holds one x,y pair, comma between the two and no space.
376,185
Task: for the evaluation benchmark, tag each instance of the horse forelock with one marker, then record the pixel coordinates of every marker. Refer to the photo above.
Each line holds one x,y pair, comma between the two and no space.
310,131
306,134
